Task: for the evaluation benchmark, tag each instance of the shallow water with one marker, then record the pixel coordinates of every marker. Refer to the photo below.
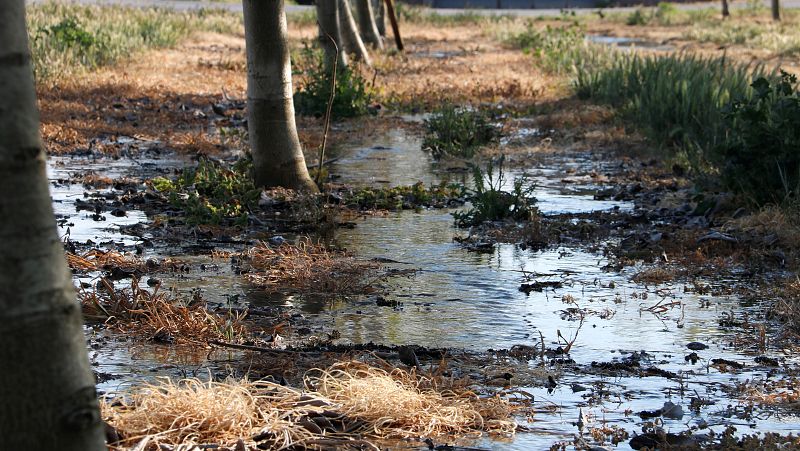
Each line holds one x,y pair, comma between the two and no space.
472,301
627,43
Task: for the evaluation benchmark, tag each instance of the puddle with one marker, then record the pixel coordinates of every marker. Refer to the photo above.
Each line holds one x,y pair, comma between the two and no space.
472,301
629,43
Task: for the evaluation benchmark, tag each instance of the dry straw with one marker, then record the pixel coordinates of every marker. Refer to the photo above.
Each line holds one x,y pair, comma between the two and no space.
310,268
348,404
154,315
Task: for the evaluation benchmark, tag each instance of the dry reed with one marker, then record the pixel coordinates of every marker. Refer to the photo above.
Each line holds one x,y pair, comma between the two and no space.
310,268
157,316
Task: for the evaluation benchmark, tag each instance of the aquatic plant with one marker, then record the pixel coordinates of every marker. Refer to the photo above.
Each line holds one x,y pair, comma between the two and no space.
459,131
352,96
491,203
212,193
405,197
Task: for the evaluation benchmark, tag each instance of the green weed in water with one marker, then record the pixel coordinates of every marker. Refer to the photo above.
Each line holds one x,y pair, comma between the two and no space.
458,131
491,203
405,197
212,193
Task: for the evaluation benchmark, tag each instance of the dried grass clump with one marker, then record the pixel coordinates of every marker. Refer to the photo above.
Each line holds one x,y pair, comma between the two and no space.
185,412
96,260
353,405
157,316
401,404
310,268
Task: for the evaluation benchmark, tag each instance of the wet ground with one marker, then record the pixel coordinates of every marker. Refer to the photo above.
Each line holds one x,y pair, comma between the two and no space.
629,349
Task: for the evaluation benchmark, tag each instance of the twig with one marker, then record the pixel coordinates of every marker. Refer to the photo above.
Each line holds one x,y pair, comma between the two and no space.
329,108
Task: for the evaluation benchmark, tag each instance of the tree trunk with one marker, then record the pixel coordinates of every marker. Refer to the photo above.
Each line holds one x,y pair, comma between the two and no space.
47,393
350,37
725,11
277,156
776,10
366,24
328,21
380,16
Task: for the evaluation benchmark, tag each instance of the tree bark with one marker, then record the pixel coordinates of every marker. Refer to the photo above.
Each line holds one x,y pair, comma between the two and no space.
350,37
366,24
277,156
380,16
328,22
776,10
725,11
47,393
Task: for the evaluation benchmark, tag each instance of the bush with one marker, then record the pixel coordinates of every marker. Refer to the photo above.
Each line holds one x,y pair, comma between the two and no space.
491,203
456,131
352,96
761,156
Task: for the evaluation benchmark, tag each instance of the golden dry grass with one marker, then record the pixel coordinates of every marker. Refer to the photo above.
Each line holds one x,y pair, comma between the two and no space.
310,268
152,315
349,403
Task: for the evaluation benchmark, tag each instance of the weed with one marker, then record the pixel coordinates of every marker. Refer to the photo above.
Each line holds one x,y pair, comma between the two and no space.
675,99
405,197
761,154
556,49
491,203
67,39
212,193
459,131
352,96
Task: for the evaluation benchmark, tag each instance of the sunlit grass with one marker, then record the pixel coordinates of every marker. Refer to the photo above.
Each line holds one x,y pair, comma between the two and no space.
67,39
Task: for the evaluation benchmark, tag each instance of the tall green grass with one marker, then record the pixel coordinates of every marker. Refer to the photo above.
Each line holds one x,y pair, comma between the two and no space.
676,99
67,39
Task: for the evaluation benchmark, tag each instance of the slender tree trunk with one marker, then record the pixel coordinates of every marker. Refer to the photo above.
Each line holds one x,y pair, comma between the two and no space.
277,156
380,16
350,37
328,21
366,24
398,40
47,393
776,10
725,11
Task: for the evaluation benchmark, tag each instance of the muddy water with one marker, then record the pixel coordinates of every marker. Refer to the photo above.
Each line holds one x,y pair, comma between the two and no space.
468,300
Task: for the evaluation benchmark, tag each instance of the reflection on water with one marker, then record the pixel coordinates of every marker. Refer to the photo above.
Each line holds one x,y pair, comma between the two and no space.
472,300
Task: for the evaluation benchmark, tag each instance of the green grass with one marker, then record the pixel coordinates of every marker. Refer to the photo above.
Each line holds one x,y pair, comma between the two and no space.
212,193
560,50
676,100
458,132
68,39
427,16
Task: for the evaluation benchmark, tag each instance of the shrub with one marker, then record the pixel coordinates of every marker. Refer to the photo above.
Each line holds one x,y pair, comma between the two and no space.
352,95
491,203
458,131
761,156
